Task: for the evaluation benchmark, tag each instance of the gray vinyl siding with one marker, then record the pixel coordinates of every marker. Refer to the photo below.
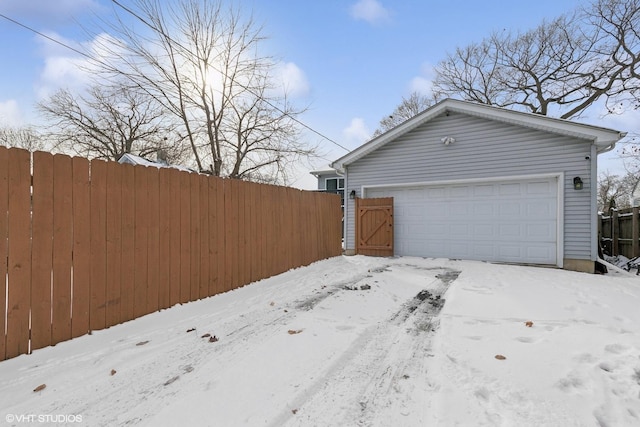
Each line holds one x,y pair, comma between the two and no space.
483,149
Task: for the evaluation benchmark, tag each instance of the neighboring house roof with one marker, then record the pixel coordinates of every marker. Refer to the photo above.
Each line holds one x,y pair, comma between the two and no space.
603,138
327,171
132,159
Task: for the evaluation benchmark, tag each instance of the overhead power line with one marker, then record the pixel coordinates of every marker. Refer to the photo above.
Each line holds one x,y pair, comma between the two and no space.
46,36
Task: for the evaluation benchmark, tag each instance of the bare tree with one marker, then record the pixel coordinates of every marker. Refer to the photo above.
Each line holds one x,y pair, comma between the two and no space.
201,62
615,191
409,107
560,68
22,137
108,122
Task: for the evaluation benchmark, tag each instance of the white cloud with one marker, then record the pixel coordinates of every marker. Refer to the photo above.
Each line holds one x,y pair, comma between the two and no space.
64,68
10,114
423,83
357,132
293,79
371,11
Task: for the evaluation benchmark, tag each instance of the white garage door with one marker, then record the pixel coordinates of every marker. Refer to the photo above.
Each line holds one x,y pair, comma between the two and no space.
489,221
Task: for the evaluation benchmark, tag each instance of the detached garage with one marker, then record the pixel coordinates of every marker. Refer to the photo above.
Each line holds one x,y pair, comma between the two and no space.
470,181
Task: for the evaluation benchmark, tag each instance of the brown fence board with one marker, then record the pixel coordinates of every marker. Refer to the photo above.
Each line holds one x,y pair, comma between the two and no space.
185,237
62,248
174,237
140,242
254,216
113,314
41,255
244,273
231,239
218,237
127,243
153,236
19,261
268,238
98,290
4,232
164,227
194,239
203,217
81,247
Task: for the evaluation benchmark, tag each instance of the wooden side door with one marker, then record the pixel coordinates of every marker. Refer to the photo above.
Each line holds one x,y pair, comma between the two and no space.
374,226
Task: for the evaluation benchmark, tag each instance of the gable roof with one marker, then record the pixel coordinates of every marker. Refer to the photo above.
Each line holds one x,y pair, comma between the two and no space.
603,138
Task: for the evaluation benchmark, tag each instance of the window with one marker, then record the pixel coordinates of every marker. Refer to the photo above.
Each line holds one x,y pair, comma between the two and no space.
334,184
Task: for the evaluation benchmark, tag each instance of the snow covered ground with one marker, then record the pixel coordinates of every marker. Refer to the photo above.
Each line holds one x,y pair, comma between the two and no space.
356,341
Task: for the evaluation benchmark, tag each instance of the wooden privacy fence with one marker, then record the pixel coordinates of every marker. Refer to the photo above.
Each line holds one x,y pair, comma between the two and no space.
619,232
88,245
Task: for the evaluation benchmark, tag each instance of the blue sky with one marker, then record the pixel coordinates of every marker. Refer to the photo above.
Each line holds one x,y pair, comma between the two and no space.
349,61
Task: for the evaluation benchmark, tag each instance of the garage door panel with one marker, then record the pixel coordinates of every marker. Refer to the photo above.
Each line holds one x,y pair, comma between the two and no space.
509,209
459,192
460,209
493,221
438,229
510,189
482,231
510,231
435,193
483,208
540,209
510,252
461,230
539,254
541,232
484,190
538,187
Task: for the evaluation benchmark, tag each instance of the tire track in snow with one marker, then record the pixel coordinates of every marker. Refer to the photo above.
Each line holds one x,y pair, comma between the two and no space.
381,376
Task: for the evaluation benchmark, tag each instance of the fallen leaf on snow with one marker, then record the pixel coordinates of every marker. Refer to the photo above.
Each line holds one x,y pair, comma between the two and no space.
213,339
40,388
142,342
191,329
206,335
113,372
294,331
500,357
528,324
294,411
272,303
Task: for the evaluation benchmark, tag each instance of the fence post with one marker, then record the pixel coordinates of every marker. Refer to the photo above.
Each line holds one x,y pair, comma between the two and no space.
615,233
635,231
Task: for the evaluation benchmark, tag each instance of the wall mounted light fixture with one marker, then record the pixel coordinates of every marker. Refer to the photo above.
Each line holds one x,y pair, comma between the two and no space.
352,195
577,183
